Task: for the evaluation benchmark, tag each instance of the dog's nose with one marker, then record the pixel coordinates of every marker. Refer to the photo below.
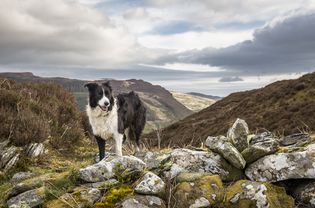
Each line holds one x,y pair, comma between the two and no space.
106,104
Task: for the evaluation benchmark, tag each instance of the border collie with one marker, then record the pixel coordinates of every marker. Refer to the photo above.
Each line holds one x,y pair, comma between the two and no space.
111,117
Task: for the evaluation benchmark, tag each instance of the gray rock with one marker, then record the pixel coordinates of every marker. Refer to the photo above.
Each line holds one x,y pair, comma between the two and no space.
139,201
20,188
35,149
222,146
296,140
106,168
90,196
237,134
150,184
101,185
7,155
12,162
185,160
22,175
32,198
201,202
260,145
283,166
155,160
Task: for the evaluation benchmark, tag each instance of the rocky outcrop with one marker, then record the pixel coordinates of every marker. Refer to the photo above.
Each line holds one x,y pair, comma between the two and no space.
283,166
186,160
222,146
32,198
259,146
106,168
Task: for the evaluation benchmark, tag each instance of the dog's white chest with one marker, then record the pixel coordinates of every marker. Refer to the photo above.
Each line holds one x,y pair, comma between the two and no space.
104,124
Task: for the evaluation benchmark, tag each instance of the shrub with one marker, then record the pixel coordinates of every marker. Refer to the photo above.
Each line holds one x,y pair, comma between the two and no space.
36,111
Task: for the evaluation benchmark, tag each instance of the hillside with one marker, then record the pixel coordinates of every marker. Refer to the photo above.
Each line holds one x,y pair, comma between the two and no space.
213,97
283,107
163,108
193,102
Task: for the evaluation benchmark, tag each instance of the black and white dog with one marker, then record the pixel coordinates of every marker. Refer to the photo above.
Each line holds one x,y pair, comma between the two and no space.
111,117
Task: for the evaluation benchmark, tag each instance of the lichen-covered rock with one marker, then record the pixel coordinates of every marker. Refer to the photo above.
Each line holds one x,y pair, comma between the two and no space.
101,185
283,166
22,175
248,194
190,176
297,140
222,146
105,169
139,201
237,134
155,160
20,188
32,198
185,160
203,192
150,184
260,145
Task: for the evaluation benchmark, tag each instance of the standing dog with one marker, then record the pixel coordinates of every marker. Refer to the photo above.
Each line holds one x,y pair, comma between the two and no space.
111,117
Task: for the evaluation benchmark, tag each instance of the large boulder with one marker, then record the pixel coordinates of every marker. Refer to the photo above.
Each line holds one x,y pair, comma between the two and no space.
222,146
185,160
237,134
139,201
204,192
108,167
260,145
248,194
150,184
32,198
283,166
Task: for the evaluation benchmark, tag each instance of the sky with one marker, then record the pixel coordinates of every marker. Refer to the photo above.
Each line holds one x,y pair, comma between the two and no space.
207,46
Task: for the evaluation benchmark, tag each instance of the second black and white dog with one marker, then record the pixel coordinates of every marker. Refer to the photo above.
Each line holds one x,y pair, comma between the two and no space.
112,117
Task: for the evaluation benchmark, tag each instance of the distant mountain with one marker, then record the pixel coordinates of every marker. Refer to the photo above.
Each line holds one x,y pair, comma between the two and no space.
163,108
283,107
205,96
193,102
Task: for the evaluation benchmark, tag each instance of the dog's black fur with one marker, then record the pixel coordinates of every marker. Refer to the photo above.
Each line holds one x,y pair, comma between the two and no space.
131,112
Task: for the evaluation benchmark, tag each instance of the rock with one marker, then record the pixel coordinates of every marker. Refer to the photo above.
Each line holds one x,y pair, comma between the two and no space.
106,168
139,201
22,175
103,185
222,146
190,177
260,145
35,149
20,188
32,198
150,184
283,166
248,194
89,196
9,155
185,160
155,160
304,193
297,140
204,192
12,162
237,134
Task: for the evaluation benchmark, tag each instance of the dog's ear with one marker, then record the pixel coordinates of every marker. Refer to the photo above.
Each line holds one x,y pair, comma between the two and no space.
90,85
121,100
107,84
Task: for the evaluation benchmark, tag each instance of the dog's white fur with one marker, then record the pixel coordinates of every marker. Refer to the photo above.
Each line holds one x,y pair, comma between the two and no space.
105,125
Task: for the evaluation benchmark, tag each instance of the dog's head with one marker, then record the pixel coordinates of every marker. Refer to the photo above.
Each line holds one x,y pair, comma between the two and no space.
100,95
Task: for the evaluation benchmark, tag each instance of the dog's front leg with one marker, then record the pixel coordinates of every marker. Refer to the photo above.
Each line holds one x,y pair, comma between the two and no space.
118,144
101,146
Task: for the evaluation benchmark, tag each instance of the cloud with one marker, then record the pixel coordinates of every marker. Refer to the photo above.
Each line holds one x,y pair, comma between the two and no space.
231,79
64,32
283,46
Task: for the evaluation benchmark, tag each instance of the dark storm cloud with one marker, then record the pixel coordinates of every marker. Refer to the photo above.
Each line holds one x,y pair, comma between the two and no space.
282,47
